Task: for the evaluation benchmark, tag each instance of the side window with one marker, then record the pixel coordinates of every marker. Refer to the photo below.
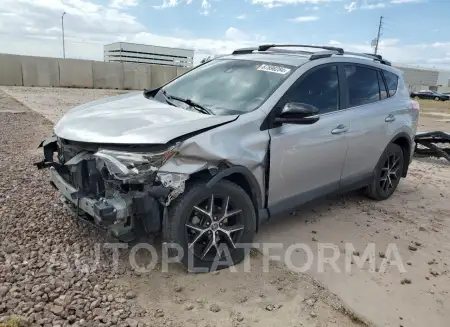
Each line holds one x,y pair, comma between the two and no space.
391,81
383,91
363,85
319,88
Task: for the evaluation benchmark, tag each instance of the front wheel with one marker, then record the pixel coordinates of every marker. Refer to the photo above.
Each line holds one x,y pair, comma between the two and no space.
437,98
387,173
213,226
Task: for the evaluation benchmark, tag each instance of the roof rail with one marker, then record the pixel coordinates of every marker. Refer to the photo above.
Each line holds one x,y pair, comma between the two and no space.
322,54
244,51
266,47
375,57
292,52
312,55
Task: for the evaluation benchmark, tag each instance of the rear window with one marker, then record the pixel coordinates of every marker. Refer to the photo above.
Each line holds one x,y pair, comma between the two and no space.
363,85
391,81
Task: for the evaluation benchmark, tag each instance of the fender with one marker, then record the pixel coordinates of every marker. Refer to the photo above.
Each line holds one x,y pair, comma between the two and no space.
262,214
401,134
409,149
256,193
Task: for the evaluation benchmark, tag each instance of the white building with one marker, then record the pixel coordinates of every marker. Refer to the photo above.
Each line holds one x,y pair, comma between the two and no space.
444,81
425,78
148,54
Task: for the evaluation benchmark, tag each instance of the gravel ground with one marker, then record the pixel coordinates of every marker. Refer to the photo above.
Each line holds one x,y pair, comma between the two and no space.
56,272
48,272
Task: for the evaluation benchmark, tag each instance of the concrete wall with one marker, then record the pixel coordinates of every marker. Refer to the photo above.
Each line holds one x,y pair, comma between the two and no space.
41,71
107,75
76,73
136,77
181,70
10,70
162,74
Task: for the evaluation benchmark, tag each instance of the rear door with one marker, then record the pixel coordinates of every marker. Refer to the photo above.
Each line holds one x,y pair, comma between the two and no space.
368,106
306,160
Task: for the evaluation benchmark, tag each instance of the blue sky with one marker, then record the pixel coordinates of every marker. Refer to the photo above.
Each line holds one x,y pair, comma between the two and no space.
415,32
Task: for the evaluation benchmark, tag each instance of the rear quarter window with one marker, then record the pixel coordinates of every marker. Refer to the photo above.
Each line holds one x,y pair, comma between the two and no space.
391,81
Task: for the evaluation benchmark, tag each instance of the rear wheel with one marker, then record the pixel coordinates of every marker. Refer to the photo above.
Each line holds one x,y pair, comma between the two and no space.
437,98
211,225
387,173
416,98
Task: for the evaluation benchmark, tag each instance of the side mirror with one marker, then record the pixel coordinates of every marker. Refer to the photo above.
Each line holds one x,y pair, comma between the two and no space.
298,113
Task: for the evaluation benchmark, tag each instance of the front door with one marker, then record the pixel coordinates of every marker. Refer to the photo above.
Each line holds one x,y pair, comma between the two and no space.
306,160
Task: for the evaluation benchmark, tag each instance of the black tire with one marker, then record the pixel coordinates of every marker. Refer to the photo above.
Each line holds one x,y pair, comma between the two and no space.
384,184
437,98
181,211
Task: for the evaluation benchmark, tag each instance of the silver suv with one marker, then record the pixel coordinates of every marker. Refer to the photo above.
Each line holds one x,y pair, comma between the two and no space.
244,138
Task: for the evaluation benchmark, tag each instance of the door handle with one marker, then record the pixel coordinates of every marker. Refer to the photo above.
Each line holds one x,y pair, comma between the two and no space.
340,129
389,118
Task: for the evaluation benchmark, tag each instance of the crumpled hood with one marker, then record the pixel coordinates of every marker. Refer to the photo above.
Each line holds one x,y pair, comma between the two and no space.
132,119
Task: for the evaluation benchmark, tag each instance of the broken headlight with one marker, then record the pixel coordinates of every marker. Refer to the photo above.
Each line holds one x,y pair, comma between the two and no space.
125,165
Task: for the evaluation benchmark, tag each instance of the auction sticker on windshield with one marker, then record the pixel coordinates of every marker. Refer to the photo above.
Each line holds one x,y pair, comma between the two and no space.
274,69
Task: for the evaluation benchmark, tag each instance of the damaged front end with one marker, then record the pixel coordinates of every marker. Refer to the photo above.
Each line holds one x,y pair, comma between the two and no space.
119,189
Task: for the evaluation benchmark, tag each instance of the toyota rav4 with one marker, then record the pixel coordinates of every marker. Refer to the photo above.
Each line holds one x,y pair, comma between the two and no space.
208,157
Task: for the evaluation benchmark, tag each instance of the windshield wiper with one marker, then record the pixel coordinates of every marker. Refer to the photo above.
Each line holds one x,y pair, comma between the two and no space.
189,102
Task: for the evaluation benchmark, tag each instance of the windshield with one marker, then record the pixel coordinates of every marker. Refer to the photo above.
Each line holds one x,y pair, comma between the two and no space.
229,86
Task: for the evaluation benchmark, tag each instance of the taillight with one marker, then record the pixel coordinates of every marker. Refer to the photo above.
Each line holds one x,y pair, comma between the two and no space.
415,105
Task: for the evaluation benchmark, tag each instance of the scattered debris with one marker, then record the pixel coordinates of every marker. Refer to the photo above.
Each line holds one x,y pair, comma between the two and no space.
434,273
270,307
130,295
406,281
159,313
214,308
311,301
188,307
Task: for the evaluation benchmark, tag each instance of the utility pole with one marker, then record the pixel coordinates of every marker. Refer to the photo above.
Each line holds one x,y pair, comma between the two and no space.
62,28
379,34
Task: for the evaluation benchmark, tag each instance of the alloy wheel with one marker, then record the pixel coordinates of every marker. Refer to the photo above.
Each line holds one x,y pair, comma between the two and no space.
212,222
390,173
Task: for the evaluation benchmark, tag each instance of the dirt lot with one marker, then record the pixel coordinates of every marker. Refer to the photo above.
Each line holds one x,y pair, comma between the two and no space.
36,230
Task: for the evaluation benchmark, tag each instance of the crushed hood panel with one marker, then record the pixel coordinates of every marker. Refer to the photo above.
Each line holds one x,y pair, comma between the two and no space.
132,119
